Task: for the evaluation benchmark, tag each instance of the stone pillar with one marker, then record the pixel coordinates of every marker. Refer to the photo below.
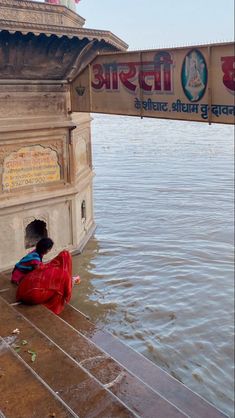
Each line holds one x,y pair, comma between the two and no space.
83,178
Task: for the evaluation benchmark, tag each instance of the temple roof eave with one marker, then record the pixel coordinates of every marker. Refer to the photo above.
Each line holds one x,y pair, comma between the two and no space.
44,42
59,31
32,54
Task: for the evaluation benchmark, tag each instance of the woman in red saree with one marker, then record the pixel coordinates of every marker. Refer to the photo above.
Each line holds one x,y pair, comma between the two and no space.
49,284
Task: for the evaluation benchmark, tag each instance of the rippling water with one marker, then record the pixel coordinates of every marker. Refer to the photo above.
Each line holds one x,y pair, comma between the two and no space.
159,271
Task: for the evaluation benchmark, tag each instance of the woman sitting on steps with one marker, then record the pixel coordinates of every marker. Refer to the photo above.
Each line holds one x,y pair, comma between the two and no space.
49,284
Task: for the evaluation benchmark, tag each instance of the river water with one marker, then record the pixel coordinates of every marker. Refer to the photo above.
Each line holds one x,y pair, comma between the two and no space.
158,273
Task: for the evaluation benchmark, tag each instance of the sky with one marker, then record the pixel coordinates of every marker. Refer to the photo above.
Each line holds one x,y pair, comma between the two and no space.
145,24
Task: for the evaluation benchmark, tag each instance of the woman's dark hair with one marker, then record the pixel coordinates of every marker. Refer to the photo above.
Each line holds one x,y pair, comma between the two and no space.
44,245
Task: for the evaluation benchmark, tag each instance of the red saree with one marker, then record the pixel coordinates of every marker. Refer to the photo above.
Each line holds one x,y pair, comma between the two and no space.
50,284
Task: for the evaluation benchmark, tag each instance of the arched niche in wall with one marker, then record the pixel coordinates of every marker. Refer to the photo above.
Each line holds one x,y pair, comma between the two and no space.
35,231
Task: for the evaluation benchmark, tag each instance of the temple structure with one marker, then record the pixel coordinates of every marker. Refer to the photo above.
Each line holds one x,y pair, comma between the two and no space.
45,149
71,4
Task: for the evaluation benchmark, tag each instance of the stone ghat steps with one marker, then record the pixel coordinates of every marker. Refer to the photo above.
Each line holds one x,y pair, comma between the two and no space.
16,381
90,382
67,381
130,382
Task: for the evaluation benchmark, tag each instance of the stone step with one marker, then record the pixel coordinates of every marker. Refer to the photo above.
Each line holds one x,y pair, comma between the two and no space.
138,396
116,365
76,388
160,381
17,381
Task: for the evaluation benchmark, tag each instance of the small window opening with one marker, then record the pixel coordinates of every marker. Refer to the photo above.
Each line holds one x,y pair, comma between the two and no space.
35,231
83,210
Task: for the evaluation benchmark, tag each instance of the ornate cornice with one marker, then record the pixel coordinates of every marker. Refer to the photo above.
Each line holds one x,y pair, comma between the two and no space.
21,10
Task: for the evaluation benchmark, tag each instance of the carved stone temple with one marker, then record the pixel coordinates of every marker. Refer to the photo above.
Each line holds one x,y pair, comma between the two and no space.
45,150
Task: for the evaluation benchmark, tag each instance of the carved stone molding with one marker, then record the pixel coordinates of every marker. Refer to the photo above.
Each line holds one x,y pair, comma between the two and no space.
5,150
57,146
23,11
29,16
33,88
30,105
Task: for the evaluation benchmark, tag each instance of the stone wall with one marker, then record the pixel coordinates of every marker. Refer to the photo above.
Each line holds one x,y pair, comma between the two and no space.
45,170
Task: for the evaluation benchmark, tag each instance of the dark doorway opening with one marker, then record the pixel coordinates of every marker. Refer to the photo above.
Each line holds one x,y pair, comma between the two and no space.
35,231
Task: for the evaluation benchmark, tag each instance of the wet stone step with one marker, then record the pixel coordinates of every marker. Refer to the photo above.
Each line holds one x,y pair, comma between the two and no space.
7,289
129,389
160,381
22,395
123,369
78,389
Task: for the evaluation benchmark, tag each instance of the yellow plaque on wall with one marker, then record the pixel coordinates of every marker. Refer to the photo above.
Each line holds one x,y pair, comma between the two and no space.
30,166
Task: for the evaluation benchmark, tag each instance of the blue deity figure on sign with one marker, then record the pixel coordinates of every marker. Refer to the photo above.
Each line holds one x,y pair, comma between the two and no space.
194,75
